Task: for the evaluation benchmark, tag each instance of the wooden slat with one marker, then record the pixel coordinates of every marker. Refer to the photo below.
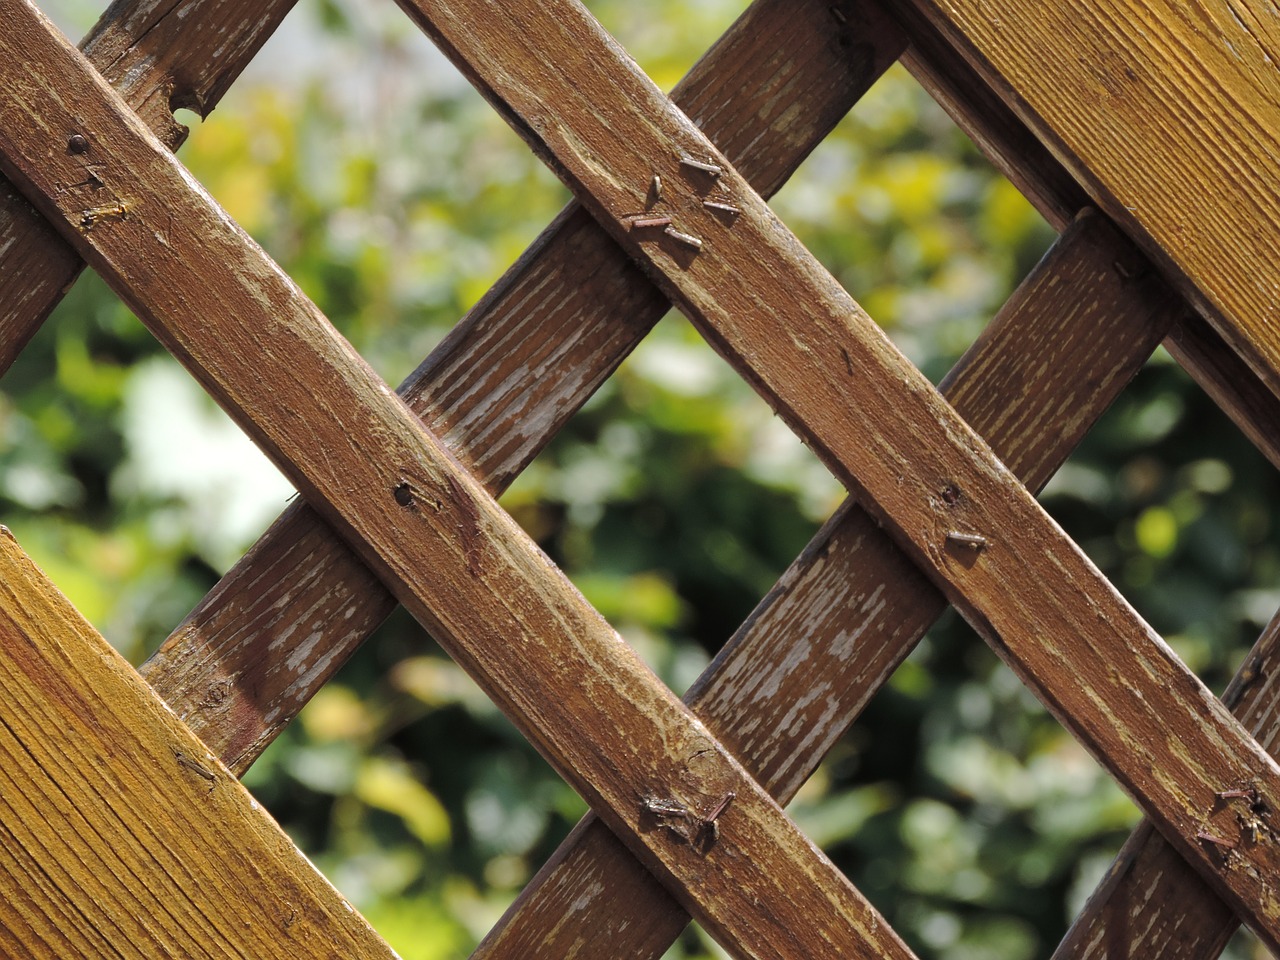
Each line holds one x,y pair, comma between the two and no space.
507,377
1168,114
456,560
787,326
1015,151
846,613
120,834
158,54
1151,904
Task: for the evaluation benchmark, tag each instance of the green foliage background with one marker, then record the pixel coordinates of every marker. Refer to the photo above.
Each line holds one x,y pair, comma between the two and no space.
396,197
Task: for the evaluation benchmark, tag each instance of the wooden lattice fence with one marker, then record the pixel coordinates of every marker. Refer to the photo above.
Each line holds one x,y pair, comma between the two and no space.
1146,132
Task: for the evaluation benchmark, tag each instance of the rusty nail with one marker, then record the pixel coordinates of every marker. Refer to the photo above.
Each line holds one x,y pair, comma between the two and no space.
651,222
709,168
971,540
77,144
722,207
684,238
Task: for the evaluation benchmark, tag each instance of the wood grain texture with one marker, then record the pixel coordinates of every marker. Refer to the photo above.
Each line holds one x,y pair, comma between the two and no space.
456,560
830,373
1167,113
1151,903
120,834
851,607
1016,152
522,361
161,55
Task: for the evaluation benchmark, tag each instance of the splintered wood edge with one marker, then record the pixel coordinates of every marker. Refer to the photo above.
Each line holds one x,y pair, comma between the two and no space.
101,786
157,54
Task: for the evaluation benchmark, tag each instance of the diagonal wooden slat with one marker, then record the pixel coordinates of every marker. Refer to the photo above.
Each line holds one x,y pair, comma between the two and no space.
1150,903
846,613
1016,152
120,835
456,561
161,56
506,378
789,328
1168,113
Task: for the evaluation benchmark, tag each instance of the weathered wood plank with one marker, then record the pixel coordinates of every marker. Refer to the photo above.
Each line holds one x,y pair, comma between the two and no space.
507,377
120,834
1012,148
1151,903
1167,113
788,327
454,558
161,56
846,613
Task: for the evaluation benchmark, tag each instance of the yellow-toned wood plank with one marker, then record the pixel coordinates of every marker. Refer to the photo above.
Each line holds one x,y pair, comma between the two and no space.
120,834
1168,113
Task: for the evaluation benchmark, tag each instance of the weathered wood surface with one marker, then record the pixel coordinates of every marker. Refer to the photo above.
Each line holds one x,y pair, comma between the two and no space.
507,377
789,328
455,559
161,56
851,607
1151,904
1015,151
120,834
1167,113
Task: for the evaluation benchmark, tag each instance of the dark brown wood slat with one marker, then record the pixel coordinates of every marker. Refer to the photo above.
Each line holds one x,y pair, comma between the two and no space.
843,617
161,56
1150,903
1015,151
120,835
456,560
507,377
788,327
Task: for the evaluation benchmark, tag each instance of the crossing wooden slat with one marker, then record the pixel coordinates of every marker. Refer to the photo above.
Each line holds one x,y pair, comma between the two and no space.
158,54
1167,113
1151,904
1015,151
828,370
120,834
457,561
845,614
507,377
